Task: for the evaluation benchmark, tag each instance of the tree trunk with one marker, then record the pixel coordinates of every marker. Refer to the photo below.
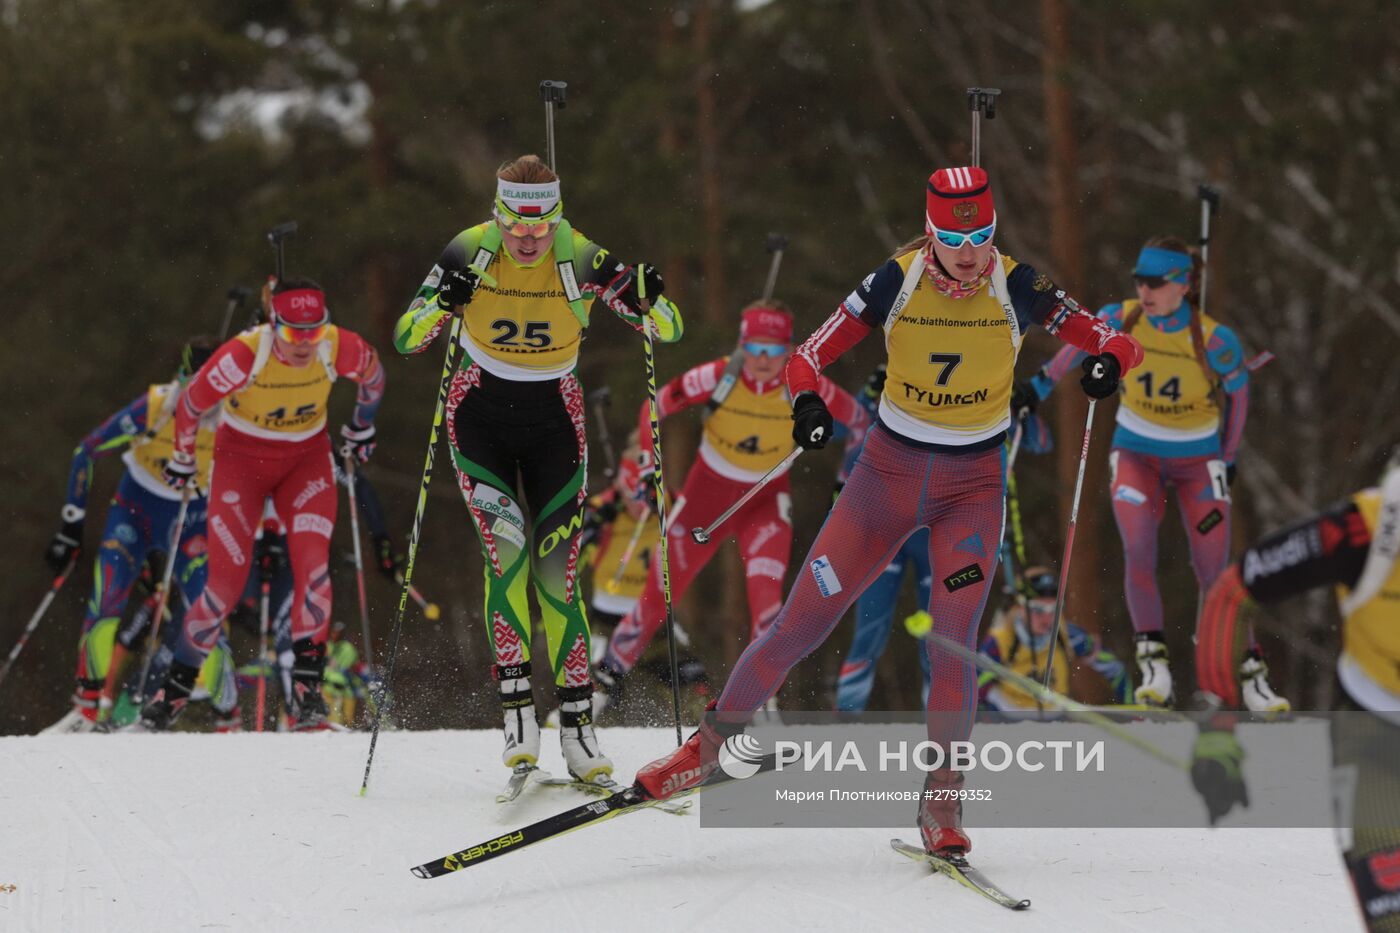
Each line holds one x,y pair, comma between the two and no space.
1068,245
707,142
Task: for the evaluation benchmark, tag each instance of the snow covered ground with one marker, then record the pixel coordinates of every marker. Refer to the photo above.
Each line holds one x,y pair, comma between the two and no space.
267,832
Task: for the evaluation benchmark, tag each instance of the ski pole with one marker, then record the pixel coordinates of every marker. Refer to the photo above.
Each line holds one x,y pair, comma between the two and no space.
1016,547
264,613
777,245
1049,697
359,560
631,548
38,615
431,610
601,400
702,535
449,365
1069,535
552,93
237,297
163,594
649,350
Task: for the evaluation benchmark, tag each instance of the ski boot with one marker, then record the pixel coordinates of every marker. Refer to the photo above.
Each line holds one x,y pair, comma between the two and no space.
1259,697
940,814
1152,659
160,713
83,716
232,721
309,713
691,764
585,760
522,730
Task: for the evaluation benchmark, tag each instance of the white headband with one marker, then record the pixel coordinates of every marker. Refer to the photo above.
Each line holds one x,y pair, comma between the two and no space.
524,200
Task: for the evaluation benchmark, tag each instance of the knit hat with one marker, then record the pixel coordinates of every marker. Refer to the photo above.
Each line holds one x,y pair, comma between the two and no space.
959,199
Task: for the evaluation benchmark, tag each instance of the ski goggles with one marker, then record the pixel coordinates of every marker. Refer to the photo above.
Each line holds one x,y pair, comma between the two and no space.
311,334
954,239
1041,606
536,229
774,350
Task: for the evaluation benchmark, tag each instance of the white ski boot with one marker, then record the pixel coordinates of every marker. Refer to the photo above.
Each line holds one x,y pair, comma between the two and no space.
584,758
522,731
1156,686
1259,697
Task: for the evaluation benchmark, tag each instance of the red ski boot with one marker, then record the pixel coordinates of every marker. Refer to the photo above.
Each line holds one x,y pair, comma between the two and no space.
688,766
940,814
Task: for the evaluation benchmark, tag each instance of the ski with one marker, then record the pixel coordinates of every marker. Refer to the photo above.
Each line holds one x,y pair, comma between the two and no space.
957,868
605,786
596,811
518,776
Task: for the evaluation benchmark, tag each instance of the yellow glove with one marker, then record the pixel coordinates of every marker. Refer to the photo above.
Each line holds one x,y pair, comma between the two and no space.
665,320
918,624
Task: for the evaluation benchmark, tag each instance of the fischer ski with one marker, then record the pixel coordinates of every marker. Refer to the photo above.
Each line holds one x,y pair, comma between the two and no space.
605,786
957,868
518,776
596,811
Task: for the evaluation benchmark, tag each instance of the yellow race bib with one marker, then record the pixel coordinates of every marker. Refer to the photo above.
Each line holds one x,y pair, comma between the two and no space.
149,453
286,403
1371,634
750,432
950,365
1169,390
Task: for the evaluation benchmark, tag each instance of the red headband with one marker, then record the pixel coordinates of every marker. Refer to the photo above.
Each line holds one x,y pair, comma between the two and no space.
766,324
301,307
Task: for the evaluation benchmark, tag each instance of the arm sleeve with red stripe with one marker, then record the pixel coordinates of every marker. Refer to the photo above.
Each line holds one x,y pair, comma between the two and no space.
357,360
222,374
692,387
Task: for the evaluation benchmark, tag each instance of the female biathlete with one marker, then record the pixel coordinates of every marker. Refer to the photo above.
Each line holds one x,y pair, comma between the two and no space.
1179,425
273,382
516,406
746,435
140,520
1353,547
952,310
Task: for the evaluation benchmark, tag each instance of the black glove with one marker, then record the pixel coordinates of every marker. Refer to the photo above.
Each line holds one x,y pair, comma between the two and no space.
1217,772
1100,375
389,562
457,288
179,470
1024,399
67,543
876,383
812,424
650,284
646,487
359,442
1230,475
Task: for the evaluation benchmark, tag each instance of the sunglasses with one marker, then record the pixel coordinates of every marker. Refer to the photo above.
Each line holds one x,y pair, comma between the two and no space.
955,240
765,349
1151,281
521,228
292,334
1042,606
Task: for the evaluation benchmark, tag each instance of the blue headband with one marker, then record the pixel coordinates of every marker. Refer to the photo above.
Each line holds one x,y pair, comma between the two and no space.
1166,263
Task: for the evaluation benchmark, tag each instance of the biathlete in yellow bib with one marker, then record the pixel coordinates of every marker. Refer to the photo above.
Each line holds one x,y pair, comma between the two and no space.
748,433
524,282
272,384
1352,547
1180,421
952,310
140,521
